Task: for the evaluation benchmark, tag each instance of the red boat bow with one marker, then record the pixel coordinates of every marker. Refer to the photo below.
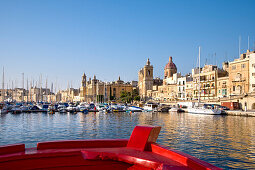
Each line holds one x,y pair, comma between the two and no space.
139,152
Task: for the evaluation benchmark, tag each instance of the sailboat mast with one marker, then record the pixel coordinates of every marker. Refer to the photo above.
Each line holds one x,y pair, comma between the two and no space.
199,74
3,93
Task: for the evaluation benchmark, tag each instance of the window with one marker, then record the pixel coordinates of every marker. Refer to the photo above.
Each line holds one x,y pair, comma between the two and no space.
253,74
219,91
183,82
243,65
233,67
253,85
234,88
253,65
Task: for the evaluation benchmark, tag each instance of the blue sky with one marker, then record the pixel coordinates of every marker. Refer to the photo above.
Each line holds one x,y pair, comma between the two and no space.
61,39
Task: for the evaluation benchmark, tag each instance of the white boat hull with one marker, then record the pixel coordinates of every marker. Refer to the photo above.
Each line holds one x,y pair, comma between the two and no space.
2,111
204,111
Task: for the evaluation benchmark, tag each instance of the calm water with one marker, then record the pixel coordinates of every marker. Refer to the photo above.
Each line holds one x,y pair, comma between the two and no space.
225,141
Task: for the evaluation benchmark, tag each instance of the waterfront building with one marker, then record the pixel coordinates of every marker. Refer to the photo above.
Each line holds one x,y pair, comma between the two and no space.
181,86
92,89
95,90
222,87
206,84
67,95
239,75
189,88
252,73
117,87
161,90
145,80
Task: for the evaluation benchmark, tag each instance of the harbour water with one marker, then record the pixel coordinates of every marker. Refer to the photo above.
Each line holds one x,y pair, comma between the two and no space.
225,141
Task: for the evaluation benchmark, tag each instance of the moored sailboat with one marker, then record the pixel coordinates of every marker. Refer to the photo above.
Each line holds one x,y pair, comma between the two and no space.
199,108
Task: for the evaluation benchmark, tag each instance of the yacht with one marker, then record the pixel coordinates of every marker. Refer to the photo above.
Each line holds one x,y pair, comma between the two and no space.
205,109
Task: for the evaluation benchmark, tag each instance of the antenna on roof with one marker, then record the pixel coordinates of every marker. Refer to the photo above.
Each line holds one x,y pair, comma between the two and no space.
248,42
215,59
239,46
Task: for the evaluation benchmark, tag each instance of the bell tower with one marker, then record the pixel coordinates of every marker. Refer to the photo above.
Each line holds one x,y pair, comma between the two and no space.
83,80
145,77
83,87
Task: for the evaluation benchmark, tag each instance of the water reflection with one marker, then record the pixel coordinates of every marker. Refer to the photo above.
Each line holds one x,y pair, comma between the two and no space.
225,141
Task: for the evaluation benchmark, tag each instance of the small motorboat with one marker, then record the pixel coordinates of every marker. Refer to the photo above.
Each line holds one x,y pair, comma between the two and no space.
150,107
138,152
134,109
175,109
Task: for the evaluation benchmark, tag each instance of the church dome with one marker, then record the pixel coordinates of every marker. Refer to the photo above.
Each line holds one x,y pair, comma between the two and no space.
170,64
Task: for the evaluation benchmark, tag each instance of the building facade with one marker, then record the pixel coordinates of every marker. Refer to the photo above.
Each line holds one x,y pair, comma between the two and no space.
239,75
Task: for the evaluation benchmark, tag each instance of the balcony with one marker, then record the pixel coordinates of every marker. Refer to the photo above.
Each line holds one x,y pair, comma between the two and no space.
239,80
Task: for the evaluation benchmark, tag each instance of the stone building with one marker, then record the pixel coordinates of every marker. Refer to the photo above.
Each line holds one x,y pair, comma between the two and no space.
166,89
181,86
206,84
69,95
239,75
189,89
145,80
252,73
95,90
222,87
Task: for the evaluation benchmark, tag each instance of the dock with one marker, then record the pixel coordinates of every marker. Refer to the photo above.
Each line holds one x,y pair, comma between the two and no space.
240,113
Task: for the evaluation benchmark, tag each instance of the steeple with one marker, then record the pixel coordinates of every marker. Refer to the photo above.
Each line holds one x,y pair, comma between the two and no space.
148,62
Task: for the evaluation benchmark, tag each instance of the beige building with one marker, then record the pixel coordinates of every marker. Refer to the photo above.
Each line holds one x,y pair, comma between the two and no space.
206,84
68,95
222,87
166,90
189,90
95,90
181,86
252,73
145,80
239,75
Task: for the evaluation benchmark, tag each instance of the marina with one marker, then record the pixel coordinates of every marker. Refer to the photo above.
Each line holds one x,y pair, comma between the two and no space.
127,85
224,141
